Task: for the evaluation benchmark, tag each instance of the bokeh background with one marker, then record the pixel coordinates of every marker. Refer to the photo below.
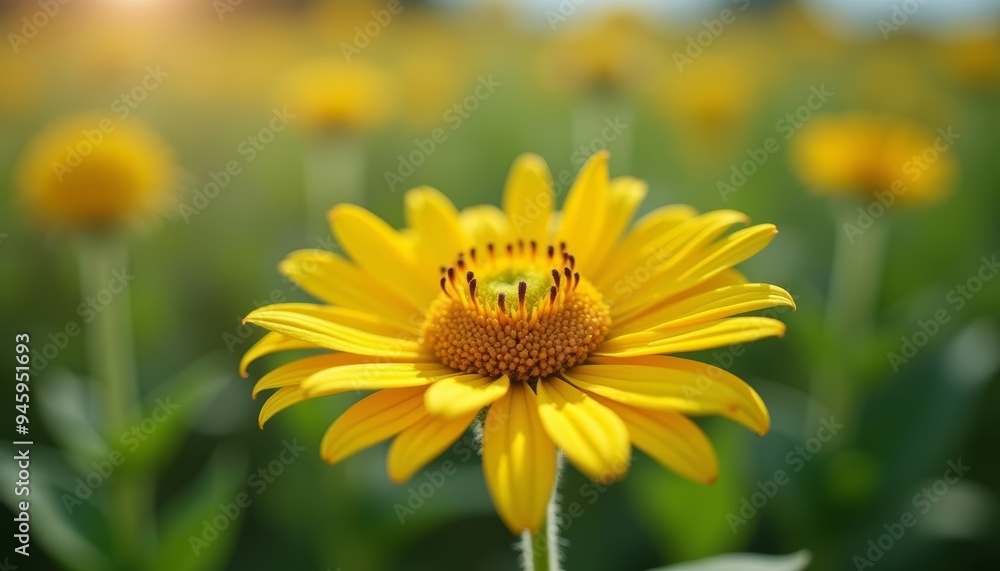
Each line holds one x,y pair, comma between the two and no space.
384,96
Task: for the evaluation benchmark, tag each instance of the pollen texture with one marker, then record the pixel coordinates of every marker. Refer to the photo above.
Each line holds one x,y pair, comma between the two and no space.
543,322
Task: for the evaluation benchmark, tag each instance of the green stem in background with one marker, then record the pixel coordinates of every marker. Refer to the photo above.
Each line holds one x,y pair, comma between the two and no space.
849,322
603,120
856,275
112,363
540,551
335,172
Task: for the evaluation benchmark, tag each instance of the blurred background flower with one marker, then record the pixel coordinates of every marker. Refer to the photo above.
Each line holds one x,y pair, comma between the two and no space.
261,115
90,172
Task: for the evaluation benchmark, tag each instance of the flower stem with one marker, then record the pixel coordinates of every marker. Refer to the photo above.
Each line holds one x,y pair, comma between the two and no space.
600,121
335,172
540,550
111,358
849,322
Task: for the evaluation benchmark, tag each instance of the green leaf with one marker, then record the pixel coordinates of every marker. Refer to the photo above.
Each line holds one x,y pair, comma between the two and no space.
167,415
65,405
199,529
745,562
51,525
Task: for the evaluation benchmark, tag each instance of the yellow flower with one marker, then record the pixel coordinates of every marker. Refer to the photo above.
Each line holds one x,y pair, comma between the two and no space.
617,52
870,154
331,95
90,171
561,330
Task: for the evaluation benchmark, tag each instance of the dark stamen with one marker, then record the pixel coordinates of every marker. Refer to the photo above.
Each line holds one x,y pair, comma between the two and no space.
501,299
552,293
469,275
569,277
572,261
444,287
576,279
534,248
522,291
555,277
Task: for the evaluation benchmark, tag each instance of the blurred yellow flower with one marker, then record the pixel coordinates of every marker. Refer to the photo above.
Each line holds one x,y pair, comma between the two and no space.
331,95
873,155
90,171
615,53
559,329
713,99
974,60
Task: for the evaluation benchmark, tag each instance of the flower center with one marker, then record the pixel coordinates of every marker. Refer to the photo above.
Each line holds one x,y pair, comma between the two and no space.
520,312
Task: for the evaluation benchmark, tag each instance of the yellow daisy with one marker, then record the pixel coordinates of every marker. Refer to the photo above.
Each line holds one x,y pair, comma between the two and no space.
333,95
90,172
875,155
558,326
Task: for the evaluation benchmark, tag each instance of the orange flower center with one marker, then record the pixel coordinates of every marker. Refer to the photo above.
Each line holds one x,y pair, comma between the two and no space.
520,312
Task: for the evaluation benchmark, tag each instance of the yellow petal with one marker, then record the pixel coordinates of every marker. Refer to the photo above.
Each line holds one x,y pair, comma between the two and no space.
655,264
700,266
625,194
685,339
335,328
334,280
422,442
295,372
383,253
279,401
670,383
519,460
594,439
484,224
455,396
584,213
708,306
732,250
636,243
670,438
370,376
371,420
528,199
271,343
434,219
